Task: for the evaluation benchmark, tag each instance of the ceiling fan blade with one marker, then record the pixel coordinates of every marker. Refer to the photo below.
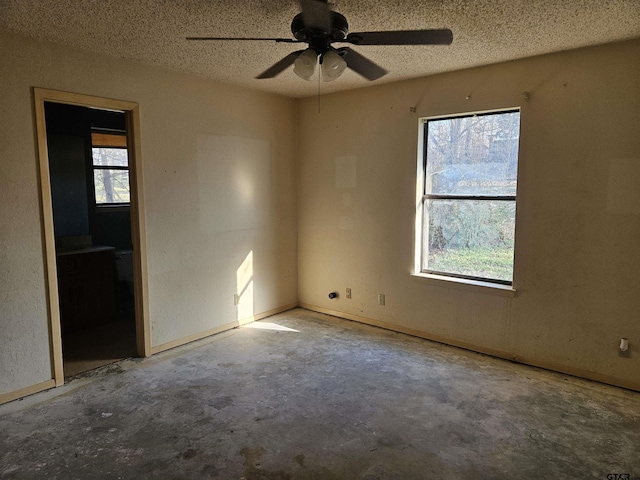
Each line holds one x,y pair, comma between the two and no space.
362,65
285,40
402,37
280,66
316,14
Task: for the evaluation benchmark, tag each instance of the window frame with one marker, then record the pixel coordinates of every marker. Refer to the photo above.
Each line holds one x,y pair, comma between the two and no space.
111,206
422,197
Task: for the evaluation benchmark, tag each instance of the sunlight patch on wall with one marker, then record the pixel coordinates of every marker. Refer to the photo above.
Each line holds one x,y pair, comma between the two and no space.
244,285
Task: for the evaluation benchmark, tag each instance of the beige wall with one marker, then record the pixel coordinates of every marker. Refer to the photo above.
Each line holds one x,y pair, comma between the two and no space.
578,225
220,198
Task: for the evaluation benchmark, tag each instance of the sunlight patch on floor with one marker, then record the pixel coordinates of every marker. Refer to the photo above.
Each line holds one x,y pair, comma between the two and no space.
269,326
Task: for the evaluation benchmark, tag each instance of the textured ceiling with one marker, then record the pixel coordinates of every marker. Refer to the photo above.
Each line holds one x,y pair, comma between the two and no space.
153,32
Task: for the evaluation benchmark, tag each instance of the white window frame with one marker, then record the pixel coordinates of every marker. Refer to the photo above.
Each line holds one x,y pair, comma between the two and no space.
464,282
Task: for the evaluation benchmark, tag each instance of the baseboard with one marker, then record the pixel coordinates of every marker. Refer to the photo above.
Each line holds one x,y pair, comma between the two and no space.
24,392
222,328
575,372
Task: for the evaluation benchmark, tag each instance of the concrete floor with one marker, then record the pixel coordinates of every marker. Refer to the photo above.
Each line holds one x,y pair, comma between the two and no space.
306,396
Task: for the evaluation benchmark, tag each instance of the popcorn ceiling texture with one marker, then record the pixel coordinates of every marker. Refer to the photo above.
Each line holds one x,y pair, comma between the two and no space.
153,32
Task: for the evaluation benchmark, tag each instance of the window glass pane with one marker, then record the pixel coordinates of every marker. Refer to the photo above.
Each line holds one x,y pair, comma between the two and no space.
110,157
469,237
112,186
476,155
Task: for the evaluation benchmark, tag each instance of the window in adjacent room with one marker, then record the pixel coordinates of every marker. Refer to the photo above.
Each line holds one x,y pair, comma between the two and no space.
110,168
469,196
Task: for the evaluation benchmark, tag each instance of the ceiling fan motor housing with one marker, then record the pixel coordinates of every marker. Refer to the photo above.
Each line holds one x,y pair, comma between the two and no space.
318,39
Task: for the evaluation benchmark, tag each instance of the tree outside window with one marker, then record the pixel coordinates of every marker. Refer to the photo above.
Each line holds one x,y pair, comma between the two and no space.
110,169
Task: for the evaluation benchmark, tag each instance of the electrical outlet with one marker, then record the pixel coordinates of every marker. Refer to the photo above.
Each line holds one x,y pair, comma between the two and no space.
624,343
236,299
348,295
381,299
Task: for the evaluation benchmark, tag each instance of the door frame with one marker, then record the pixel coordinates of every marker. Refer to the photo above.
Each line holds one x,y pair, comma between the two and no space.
138,233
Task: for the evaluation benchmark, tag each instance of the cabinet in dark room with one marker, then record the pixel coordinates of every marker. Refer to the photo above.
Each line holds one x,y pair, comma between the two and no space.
86,279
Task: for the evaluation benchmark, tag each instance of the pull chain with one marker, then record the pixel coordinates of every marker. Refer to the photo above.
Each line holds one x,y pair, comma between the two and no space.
318,90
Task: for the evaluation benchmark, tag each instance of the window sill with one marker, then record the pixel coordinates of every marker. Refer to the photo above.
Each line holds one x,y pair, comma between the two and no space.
475,286
112,208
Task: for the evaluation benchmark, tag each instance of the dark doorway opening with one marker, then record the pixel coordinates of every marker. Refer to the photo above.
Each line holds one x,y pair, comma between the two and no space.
92,224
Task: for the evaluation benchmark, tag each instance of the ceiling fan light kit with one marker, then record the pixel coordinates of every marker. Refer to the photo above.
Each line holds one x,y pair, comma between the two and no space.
320,27
305,64
332,65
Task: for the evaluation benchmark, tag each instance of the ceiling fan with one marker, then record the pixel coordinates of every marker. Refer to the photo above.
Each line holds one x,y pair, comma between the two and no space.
320,27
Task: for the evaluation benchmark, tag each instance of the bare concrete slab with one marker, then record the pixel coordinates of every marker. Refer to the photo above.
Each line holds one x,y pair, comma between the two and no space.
306,396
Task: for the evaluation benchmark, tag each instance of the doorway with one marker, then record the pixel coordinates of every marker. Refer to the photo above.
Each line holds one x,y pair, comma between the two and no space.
94,237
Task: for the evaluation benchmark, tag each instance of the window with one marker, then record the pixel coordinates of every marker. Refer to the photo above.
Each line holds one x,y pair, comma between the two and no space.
110,168
469,196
